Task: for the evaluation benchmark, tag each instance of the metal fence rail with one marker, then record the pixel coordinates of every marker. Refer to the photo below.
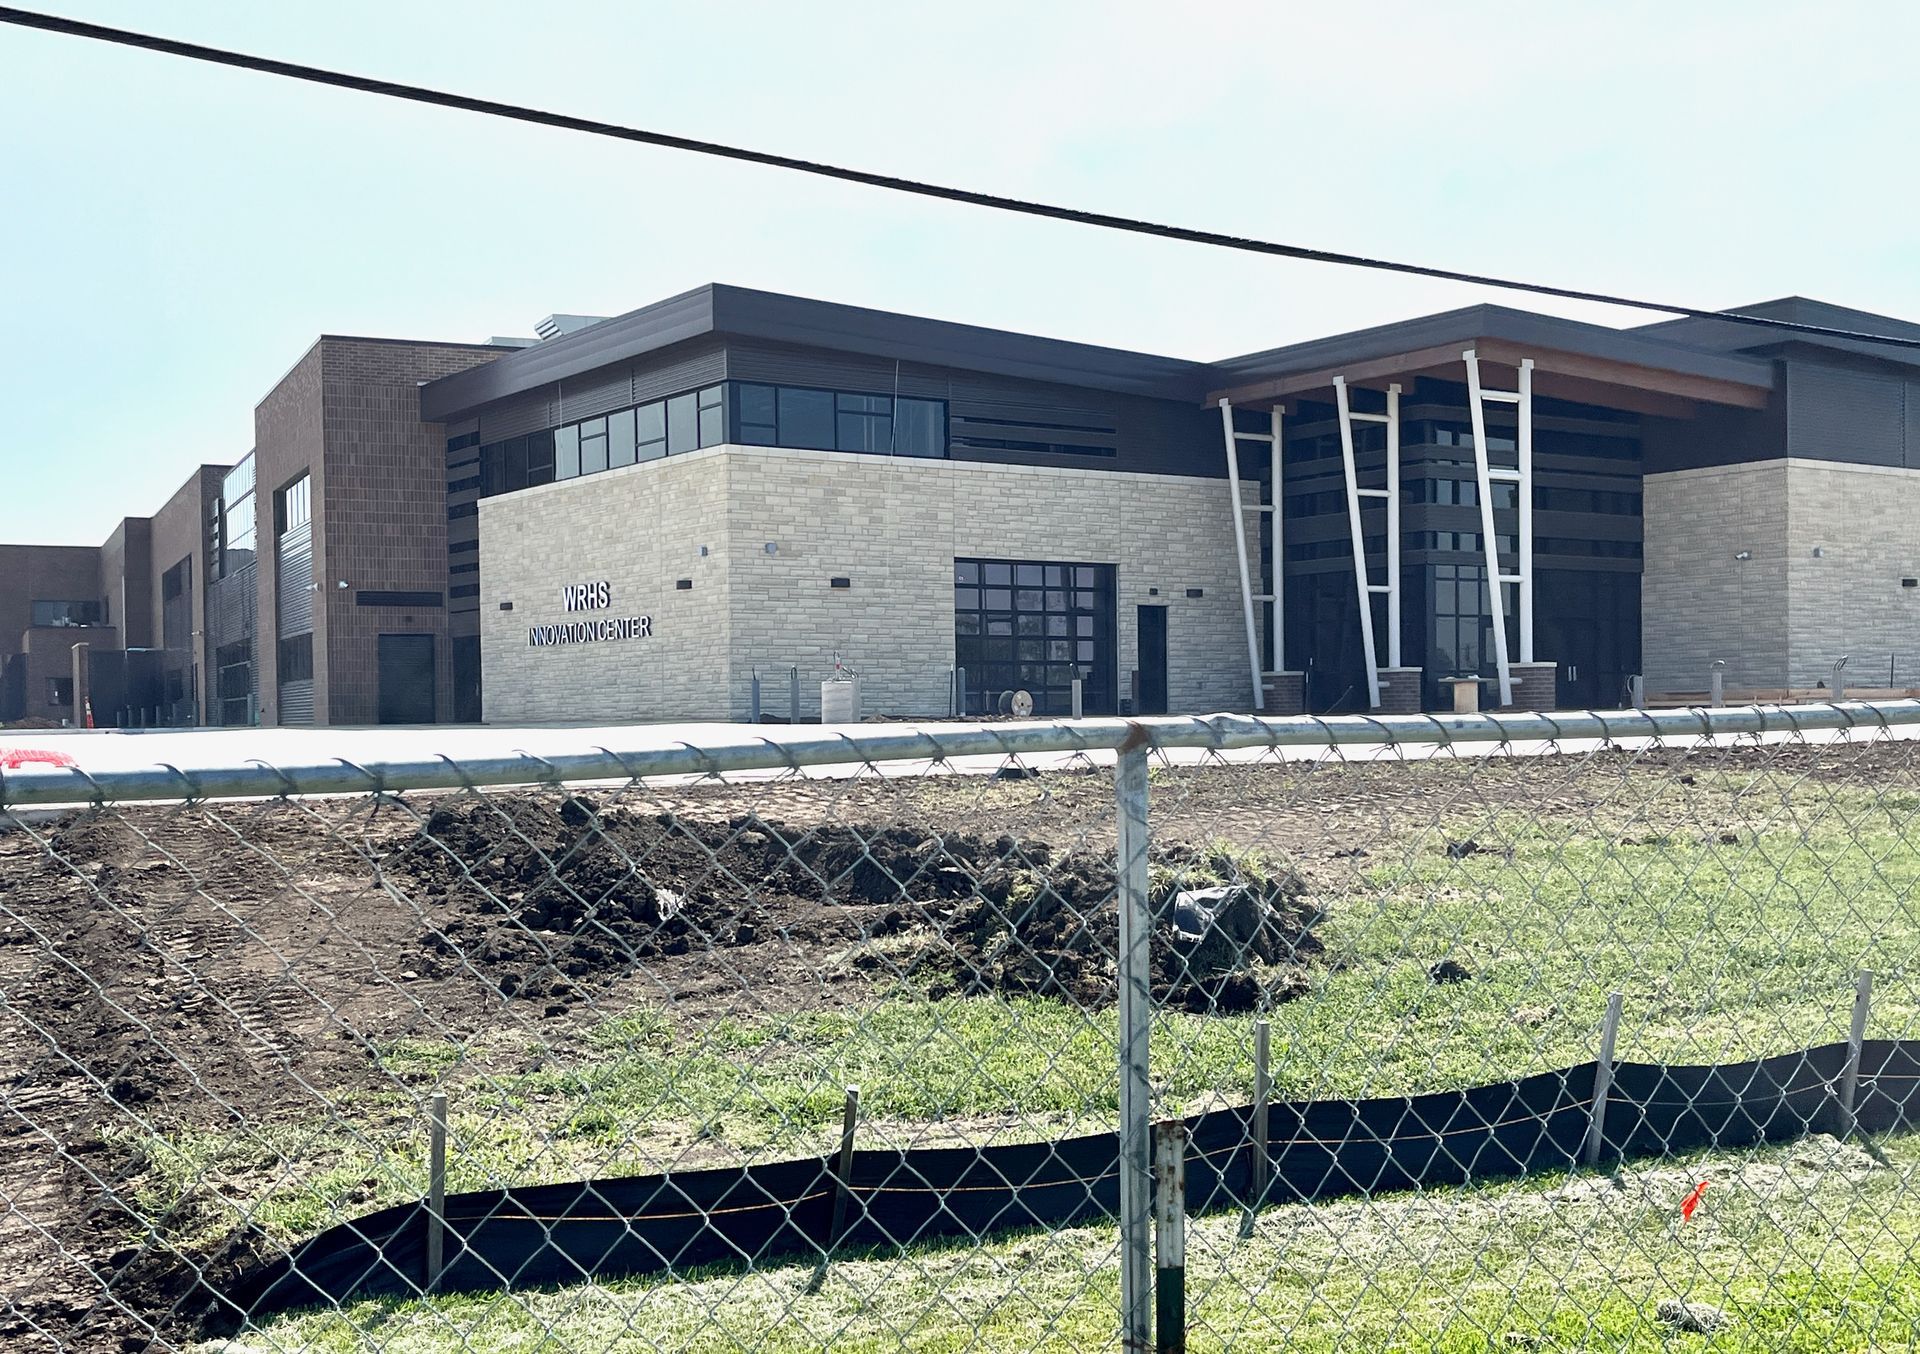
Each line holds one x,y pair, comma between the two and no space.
1526,1031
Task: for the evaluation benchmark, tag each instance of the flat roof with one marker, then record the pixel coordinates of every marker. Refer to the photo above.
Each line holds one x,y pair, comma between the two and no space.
743,312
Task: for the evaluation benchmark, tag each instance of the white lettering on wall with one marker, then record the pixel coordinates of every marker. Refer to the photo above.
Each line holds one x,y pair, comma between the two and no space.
589,632
587,596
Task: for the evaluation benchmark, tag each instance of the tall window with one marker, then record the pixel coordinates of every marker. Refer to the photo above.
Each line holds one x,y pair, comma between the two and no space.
293,506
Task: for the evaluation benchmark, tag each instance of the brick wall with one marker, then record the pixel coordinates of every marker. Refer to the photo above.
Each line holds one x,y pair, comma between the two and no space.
348,414
288,442
891,526
125,582
179,532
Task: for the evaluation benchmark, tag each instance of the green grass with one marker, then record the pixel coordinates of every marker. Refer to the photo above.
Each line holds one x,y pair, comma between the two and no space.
1806,1248
1724,951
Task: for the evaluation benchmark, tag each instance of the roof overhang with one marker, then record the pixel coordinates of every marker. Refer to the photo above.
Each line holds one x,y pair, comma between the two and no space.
718,310
1584,363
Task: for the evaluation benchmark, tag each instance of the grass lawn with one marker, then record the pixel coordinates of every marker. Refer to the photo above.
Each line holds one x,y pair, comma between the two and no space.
1726,947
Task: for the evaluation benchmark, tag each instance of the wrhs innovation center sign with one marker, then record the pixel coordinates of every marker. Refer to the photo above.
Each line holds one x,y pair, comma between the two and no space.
588,597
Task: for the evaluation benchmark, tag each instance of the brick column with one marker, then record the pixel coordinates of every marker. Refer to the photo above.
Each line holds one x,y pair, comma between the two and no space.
1286,693
1535,686
1400,691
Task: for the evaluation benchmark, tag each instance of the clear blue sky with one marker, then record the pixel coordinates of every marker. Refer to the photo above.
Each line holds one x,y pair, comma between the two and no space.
174,236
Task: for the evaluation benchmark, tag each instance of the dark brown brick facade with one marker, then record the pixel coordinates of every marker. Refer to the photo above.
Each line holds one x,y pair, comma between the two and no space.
348,415
29,657
179,531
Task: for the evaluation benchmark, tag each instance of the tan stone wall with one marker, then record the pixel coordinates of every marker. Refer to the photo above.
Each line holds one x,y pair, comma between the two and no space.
1865,521
640,529
891,526
1783,616
1697,601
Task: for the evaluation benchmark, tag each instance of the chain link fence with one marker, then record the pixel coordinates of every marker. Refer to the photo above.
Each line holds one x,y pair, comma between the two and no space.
1529,1032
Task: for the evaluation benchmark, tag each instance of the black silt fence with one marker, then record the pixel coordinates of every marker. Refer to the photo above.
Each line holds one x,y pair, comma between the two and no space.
643,1225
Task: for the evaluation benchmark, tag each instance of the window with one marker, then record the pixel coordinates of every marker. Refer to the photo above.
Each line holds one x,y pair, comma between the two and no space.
713,416
542,458
756,415
838,420
650,428
683,424
865,423
759,415
69,613
59,691
593,446
919,427
620,443
295,657
806,418
293,506
566,452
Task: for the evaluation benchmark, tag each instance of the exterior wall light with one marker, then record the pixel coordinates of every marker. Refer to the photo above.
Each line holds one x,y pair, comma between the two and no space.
773,547
1819,552
1744,555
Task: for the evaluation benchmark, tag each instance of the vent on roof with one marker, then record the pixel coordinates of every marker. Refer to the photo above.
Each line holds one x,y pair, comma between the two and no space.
555,325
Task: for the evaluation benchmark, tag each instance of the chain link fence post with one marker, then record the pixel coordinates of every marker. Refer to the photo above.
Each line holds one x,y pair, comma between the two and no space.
1136,1013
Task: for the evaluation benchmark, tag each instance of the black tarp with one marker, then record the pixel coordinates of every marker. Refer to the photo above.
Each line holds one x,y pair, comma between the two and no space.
548,1234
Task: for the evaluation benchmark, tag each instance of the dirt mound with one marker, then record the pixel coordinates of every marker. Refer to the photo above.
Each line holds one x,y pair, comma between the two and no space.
1228,932
553,901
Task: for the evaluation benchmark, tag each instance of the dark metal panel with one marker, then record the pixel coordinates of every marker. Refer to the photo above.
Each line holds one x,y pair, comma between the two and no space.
595,392
294,583
1912,456
673,320
1842,414
784,364
798,321
296,702
687,368
522,414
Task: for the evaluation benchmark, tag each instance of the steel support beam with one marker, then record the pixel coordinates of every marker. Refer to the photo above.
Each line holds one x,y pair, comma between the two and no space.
1240,553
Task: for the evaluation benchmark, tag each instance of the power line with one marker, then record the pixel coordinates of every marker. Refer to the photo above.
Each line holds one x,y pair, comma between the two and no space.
192,51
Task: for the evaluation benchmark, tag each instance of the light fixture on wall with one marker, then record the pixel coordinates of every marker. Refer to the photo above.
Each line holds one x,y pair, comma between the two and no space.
1819,552
773,547
1744,556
